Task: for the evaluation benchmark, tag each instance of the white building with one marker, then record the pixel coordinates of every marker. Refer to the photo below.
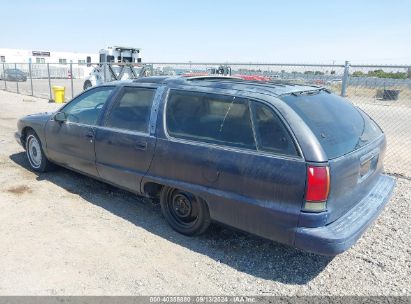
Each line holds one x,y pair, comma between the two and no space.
44,56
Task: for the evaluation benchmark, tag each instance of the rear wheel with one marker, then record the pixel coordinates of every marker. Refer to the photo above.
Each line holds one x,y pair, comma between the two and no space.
35,155
184,212
87,85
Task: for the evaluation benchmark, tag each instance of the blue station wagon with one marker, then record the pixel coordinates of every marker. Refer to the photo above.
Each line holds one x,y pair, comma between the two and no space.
291,163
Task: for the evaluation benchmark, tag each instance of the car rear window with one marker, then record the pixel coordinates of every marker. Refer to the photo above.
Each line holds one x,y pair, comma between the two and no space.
339,126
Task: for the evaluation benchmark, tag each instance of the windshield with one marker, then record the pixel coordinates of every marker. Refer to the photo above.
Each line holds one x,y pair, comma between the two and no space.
339,126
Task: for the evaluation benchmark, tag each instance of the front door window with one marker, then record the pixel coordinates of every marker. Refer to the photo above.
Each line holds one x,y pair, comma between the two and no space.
86,108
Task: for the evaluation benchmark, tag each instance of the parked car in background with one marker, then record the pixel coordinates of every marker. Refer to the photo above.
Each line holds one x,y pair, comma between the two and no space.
291,163
225,70
13,75
254,77
334,81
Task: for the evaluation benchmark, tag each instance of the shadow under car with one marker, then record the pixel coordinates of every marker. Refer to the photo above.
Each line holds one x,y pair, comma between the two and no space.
244,252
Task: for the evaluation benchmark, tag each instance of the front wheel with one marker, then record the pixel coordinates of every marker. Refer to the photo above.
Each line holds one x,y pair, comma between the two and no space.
184,212
35,155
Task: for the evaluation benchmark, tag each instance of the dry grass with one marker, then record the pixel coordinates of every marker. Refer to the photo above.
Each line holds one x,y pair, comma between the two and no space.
367,95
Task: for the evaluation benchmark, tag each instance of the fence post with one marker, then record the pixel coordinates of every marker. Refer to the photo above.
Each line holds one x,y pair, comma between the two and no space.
17,82
71,78
104,71
31,79
4,77
345,79
48,76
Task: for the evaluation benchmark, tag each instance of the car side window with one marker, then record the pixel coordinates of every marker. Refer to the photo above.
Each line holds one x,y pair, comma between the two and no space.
132,110
272,135
86,108
211,118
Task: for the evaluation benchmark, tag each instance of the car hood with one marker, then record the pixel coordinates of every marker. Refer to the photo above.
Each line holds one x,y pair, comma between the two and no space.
38,118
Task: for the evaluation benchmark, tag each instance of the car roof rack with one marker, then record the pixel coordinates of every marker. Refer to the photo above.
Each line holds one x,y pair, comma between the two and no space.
152,79
206,80
212,77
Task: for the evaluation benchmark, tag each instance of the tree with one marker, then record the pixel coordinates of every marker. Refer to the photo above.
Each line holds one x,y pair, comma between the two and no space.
381,74
358,74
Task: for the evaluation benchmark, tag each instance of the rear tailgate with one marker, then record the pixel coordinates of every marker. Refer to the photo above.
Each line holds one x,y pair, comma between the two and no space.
353,176
353,143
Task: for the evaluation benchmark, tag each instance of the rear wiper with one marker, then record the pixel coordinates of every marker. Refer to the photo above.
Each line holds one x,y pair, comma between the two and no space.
308,92
311,92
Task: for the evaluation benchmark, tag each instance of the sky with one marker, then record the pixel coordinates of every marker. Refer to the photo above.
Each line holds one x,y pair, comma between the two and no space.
292,31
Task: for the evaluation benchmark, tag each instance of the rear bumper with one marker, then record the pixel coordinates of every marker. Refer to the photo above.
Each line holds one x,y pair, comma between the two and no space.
341,234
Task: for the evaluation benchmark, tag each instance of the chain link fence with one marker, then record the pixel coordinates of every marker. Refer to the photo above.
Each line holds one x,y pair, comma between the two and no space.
384,92
38,79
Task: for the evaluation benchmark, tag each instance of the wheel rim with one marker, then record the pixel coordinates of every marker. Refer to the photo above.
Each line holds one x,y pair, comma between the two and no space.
34,151
183,208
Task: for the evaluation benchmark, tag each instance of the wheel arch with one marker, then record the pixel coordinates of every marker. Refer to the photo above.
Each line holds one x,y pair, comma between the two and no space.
153,189
24,133
87,84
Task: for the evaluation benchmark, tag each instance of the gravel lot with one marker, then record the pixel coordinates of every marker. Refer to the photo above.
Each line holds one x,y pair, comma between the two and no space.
396,123
66,234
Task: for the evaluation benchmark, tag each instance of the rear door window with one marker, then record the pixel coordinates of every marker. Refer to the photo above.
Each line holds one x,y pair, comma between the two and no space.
132,110
210,118
338,125
272,135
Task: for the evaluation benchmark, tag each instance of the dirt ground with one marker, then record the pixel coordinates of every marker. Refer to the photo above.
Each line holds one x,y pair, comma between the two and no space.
62,233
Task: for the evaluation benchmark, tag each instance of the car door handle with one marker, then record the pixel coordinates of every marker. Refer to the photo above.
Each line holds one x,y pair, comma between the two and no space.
140,145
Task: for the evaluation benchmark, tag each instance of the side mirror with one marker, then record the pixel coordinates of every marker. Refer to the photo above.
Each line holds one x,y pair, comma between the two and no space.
60,117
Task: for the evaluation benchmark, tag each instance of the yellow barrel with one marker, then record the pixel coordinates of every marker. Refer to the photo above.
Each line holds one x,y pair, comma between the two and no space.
58,93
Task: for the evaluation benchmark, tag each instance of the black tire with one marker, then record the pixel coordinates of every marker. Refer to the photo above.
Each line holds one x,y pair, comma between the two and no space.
35,155
184,212
87,84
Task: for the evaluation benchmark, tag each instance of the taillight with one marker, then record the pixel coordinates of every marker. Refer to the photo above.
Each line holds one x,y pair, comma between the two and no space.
318,186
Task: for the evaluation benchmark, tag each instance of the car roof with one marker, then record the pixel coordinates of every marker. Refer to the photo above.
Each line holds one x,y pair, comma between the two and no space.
277,87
